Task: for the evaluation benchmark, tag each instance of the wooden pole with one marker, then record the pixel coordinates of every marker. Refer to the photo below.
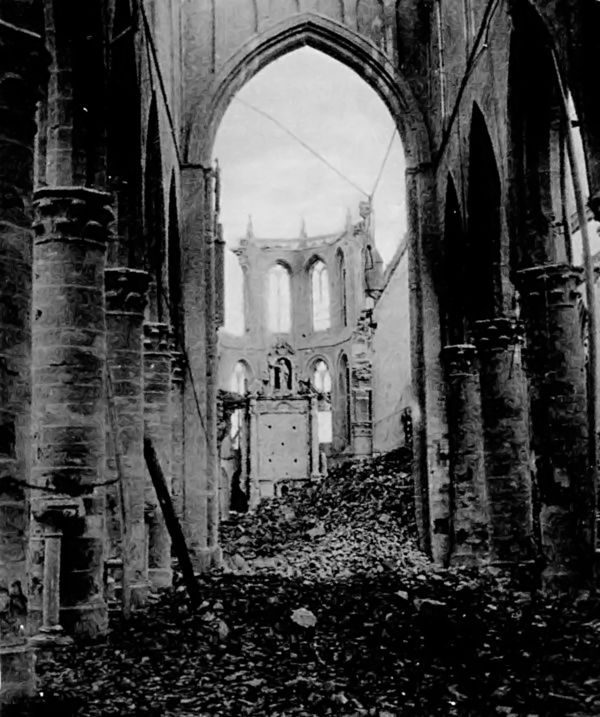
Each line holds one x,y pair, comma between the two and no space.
172,522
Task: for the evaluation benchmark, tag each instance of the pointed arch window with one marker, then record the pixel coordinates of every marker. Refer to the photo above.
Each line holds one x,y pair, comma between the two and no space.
279,305
341,272
239,383
239,378
321,377
320,296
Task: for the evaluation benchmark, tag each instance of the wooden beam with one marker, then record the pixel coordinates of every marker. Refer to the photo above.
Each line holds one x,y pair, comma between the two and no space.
172,522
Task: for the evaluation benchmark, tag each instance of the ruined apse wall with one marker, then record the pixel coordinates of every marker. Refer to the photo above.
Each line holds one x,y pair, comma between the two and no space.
303,344
392,377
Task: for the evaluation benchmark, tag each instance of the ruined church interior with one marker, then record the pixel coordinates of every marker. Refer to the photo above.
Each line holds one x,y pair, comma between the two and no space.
299,357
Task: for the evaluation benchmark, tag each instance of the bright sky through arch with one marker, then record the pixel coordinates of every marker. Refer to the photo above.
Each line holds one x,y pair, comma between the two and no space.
267,174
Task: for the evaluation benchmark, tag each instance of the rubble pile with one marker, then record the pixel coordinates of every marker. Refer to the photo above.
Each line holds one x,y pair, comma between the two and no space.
358,520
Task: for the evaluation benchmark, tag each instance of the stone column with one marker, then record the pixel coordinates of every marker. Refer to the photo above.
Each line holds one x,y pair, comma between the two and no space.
177,380
314,437
125,302
552,311
195,317
157,425
68,391
468,500
430,464
214,554
505,409
22,72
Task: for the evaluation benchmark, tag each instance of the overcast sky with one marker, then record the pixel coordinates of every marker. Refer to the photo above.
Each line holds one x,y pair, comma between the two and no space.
267,174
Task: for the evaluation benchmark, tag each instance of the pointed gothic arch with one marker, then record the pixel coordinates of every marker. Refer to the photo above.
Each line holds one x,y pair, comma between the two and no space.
454,251
483,255
279,299
318,274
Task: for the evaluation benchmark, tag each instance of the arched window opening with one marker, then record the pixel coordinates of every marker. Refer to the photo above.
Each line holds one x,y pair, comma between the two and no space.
321,380
240,378
279,300
321,377
343,401
483,253
341,277
320,296
239,383
456,285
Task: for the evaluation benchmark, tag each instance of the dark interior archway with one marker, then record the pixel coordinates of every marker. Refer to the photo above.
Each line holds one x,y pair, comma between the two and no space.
483,254
454,249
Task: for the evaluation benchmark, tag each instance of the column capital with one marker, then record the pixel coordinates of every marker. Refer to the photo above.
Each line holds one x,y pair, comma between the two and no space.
460,359
500,333
156,338
126,290
556,283
72,214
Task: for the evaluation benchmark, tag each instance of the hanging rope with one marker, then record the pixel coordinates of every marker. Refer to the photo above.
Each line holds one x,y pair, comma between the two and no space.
382,167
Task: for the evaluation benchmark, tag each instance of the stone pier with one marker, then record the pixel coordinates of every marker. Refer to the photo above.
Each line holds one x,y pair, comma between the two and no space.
158,427
505,409
68,391
125,302
553,312
22,73
469,543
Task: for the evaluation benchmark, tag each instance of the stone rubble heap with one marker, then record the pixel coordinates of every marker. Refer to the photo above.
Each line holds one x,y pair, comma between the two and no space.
358,520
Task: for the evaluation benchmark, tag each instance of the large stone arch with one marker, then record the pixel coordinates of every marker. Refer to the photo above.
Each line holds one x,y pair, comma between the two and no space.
214,80
333,39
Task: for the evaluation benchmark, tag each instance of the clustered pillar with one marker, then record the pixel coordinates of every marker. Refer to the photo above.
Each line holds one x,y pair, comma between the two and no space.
158,428
469,543
68,396
505,412
553,313
126,299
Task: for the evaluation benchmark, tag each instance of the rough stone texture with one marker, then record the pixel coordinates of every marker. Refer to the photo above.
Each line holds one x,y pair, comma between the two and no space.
21,75
505,411
125,302
552,311
68,388
158,427
470,533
